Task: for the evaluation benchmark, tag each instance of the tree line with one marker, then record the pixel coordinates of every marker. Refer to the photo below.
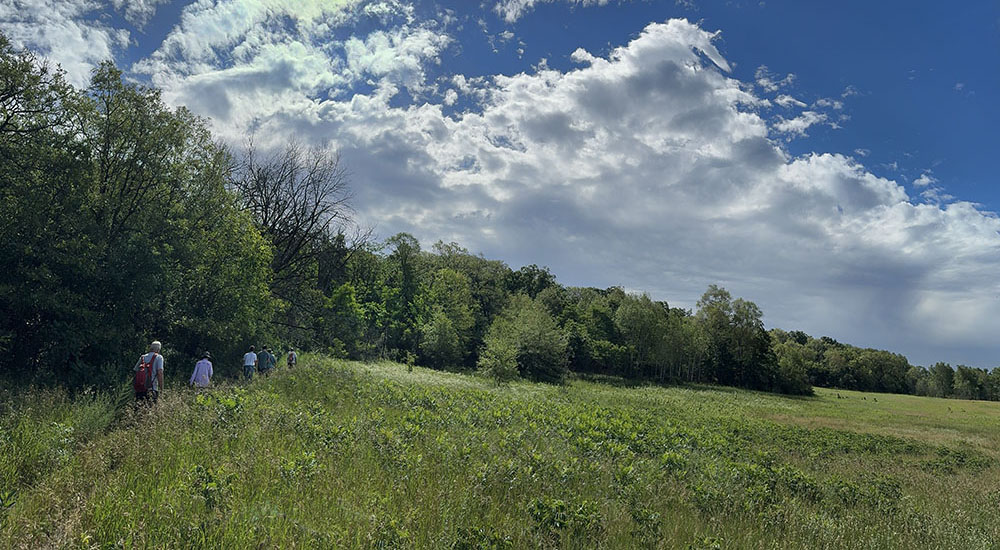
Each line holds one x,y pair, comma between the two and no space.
125,220
833,364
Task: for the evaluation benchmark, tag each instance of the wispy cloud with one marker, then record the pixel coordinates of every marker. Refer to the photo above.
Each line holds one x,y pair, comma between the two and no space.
137,12
830,103
512,10
770,82
787,101
799,124
850,91
924,180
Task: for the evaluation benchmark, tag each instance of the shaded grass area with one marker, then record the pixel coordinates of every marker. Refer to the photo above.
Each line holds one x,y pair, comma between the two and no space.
350,455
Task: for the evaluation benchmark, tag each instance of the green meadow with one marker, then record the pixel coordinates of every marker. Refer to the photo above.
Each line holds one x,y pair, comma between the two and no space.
351,455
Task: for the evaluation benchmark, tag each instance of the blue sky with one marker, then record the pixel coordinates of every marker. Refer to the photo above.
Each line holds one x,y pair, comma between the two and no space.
832,162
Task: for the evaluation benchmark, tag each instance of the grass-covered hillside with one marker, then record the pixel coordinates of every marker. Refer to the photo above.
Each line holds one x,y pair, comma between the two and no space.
351,455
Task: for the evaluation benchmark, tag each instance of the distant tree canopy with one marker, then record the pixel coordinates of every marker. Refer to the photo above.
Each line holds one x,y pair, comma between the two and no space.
125,221
827,362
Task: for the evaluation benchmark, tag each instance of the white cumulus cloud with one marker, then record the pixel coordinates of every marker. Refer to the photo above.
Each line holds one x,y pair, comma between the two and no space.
243,60
399,54
648,167
68,32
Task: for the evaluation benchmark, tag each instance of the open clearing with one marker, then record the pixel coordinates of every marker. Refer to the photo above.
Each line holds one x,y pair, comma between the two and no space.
351,455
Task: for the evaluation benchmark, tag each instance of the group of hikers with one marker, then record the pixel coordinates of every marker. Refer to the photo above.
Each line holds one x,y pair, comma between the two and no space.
148,371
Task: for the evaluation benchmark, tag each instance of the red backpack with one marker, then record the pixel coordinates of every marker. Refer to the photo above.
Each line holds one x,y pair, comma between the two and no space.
143,380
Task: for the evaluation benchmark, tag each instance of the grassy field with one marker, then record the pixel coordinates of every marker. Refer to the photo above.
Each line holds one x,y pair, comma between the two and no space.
350,455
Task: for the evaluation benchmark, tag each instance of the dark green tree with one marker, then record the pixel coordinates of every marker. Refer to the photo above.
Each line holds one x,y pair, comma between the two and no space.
715,311
450,294
530,280
487,282
441,345
46,258
792,368
406,296
942,381
342,323
498,359
644,327
541,345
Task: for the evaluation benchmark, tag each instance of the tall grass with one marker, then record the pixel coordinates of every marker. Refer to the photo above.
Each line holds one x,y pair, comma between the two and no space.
347,455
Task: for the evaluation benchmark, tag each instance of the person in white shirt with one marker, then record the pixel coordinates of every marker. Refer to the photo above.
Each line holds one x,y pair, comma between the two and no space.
249,363
292,358
202,375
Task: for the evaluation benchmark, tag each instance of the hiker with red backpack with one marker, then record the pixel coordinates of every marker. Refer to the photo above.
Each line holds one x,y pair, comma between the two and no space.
148,374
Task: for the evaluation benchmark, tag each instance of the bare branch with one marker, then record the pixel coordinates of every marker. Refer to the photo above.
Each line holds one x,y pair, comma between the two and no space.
297,196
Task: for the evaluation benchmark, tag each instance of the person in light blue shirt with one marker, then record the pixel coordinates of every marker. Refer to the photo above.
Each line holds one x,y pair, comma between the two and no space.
267,361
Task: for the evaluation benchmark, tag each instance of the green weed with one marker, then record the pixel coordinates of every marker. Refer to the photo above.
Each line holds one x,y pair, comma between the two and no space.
349,455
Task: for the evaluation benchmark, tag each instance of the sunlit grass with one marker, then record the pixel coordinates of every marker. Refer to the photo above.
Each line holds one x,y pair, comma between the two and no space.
349,455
